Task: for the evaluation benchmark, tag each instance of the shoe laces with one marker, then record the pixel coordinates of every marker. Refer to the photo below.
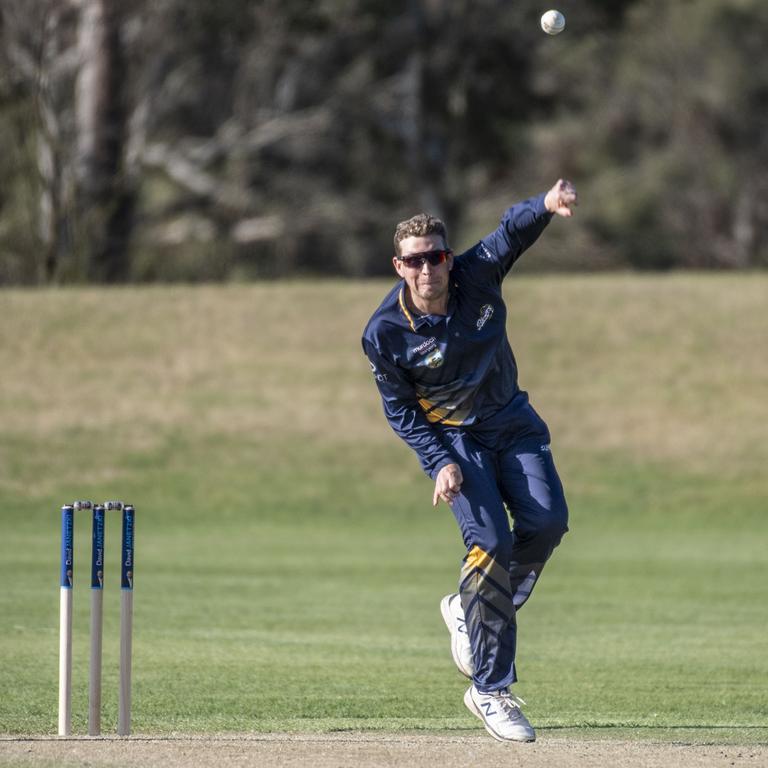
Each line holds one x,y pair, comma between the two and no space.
509,701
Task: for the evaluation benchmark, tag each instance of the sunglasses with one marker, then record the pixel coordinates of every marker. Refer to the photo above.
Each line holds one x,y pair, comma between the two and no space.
416,260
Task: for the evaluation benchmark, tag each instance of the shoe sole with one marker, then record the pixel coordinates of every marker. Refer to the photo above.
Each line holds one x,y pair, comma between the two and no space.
453,632
469,702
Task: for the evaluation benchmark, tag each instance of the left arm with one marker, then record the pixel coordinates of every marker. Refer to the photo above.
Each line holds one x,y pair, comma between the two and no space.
522,224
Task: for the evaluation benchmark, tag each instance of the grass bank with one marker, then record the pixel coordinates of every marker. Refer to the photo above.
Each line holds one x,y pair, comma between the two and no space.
289,563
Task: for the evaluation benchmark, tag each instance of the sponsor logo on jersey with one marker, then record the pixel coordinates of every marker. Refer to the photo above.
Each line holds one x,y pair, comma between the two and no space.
484,253
486,312
376,375
425,346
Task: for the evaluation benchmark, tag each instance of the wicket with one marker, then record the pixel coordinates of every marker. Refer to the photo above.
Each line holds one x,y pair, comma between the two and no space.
97,592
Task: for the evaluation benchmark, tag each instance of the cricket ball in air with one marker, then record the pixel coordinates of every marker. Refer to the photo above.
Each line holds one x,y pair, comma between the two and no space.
553,22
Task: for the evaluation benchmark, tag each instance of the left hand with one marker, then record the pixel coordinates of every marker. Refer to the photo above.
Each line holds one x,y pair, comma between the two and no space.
561,198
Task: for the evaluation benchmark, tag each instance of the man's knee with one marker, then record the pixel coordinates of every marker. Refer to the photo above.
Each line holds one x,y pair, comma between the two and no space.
496,544
548,526
556,524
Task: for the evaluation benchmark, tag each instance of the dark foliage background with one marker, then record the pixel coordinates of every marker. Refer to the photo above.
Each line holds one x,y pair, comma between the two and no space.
193,140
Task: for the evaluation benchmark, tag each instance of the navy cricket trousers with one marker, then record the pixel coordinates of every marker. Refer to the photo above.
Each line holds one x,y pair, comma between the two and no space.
508,473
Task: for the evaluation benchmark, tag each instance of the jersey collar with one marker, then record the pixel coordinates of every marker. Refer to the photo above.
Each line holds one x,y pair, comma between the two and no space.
418,321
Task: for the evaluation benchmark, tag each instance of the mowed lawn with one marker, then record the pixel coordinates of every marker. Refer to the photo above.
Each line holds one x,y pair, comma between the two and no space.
289,561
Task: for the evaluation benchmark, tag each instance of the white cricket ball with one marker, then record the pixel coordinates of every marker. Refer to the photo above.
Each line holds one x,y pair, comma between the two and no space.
553,22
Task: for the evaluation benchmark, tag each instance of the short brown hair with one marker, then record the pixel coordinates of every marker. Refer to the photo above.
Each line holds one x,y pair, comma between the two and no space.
418,226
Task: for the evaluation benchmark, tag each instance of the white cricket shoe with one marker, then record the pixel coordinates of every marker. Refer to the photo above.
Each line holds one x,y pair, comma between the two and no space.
501,715
453,616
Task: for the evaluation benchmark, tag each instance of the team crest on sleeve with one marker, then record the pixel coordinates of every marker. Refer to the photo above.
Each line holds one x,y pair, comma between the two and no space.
486,312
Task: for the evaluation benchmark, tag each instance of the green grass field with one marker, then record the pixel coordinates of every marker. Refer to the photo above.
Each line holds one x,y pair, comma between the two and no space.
289,561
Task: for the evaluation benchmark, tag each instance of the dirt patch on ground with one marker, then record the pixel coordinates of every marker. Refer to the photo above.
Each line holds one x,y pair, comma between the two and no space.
351,750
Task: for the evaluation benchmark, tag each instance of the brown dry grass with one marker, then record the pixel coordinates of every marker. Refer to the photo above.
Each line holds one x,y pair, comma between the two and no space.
668,368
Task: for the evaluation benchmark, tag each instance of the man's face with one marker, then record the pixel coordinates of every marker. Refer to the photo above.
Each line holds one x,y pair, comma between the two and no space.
427,282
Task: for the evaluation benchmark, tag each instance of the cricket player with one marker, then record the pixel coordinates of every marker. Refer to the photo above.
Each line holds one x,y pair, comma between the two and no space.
439,354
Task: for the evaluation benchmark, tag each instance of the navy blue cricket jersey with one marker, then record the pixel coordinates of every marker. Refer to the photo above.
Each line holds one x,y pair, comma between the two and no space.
437,372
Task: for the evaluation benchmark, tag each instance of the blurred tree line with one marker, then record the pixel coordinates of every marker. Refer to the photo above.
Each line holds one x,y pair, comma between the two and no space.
199,140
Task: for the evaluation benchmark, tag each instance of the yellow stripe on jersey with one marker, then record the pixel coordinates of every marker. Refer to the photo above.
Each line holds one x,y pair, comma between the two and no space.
401,299
435,414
